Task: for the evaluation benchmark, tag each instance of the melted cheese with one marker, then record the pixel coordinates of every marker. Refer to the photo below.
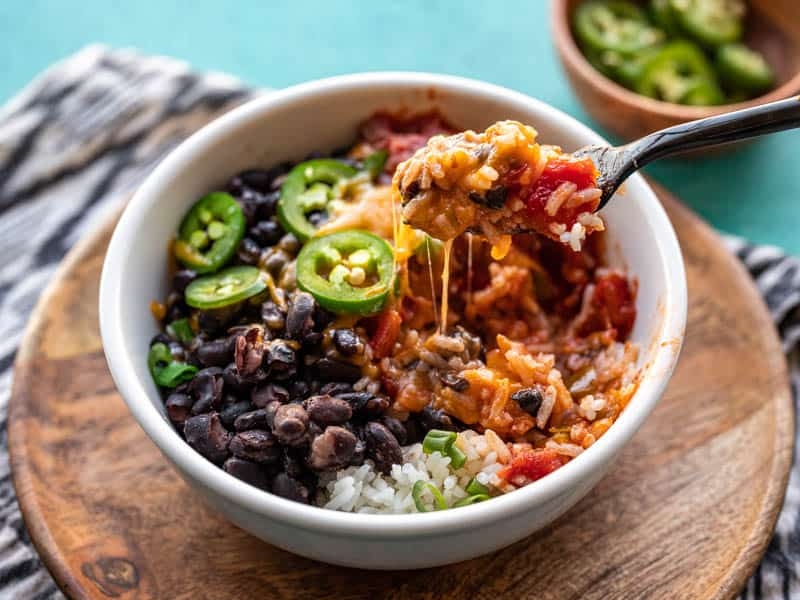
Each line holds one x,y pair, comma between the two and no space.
448,247
501,247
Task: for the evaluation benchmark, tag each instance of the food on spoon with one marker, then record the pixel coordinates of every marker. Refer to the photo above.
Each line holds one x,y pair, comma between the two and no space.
309,348
498,183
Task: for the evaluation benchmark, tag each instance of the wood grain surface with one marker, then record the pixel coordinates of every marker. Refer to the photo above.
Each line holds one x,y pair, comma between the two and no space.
686,512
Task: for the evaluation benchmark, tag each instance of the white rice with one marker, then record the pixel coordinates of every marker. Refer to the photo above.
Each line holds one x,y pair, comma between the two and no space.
364,490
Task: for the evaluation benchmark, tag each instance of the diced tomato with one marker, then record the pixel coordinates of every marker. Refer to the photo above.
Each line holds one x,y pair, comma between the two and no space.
581,172
387,329
400,136
389,385
527,467
613,296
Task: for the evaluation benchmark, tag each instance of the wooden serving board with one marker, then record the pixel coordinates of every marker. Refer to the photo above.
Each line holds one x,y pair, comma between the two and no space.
686,512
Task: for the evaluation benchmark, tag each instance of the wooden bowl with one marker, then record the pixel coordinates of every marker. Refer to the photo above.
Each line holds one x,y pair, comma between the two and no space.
773,28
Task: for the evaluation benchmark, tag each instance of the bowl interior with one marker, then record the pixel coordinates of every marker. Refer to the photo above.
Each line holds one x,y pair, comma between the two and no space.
295,122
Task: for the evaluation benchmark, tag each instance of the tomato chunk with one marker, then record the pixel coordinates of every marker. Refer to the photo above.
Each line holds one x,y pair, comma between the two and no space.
614,298
582,172
527,467
386,333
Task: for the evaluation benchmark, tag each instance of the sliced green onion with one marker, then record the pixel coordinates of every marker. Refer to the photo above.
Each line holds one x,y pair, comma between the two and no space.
471,500
457,457
181,330
375,162
165,371
175,373
476,488
438,441
419,489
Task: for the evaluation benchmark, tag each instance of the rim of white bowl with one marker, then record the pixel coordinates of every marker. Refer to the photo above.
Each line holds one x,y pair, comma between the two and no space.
387,525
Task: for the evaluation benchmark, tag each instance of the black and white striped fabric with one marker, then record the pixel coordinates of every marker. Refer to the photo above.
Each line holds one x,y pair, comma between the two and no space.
79,138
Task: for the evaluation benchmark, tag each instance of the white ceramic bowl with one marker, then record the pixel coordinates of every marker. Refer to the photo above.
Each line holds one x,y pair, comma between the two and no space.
323,115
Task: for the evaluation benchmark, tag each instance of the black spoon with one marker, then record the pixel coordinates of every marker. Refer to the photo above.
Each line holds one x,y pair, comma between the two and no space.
616,164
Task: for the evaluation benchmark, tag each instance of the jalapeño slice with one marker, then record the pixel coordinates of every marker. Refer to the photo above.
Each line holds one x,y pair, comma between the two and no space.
229,286
710,22
674,74
307,189
743,69
210,232
347,272
614,25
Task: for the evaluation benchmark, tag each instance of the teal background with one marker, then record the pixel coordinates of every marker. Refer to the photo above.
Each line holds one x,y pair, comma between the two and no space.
753,191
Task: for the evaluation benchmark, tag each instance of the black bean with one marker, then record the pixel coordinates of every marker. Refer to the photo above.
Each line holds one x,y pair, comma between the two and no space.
178,407
397,429
181,279
317,217
176,311
312,339
251,201
230,413
257,445
235,187
206,389
280,359
365,404
273,317
359,453
294,462
375,407
216,353
334,370
529,400
270,410
414,432
432,418
411,190
300,316
161,338
333,449
455,382
382,447
254,419
322,318
233,381
334,388
290,244
270,392
327,410
206,434
266,233
290,488
215,321
347,342
299,390
247,471
274,260
249,354
249,252
290,424
495,198
256,179
267,206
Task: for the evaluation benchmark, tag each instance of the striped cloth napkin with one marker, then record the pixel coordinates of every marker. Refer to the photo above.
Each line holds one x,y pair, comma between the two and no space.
77,140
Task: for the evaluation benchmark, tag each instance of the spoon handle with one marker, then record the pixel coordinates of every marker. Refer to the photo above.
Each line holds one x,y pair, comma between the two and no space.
716,130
